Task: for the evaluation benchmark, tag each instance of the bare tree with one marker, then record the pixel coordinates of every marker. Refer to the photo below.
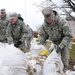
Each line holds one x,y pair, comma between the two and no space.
70,3
66,8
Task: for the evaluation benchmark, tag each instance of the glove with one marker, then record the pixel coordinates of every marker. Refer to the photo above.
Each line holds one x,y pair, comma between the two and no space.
17,44
52,47
58,49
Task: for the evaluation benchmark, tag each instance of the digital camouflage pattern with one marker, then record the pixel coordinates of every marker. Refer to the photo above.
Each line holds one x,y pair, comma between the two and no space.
17,32
60,34
3,26
28,39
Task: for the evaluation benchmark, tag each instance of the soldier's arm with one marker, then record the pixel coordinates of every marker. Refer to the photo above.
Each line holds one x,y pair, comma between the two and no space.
44,36
67,35
9,34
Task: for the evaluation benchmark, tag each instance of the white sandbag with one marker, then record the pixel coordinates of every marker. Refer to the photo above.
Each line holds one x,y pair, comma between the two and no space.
53,65
36,49
15,59
36,59
70,72
5,70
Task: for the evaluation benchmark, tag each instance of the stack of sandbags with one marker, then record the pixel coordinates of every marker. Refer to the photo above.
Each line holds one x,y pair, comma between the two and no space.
15,60
37,56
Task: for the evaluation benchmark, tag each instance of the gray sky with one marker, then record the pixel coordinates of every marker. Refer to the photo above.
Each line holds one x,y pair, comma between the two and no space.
31,14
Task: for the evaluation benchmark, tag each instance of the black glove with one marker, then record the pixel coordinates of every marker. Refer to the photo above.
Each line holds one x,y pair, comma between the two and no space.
17,44
58,49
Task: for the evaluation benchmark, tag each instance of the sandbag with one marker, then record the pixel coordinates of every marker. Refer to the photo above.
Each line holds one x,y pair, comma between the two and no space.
15,60
70,72
36,49
5,70
36,59
53,64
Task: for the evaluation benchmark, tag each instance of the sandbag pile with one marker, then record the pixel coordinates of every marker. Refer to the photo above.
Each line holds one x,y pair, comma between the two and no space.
36,58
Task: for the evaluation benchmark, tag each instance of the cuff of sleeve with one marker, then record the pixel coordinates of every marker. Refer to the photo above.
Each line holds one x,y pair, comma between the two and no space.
61,46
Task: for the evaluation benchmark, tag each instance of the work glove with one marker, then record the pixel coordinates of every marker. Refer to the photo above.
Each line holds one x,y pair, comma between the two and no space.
18,43
58,49
52,47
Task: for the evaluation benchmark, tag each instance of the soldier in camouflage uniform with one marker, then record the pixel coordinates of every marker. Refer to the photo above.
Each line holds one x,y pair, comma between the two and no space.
58,31
16,32
3,26
28,39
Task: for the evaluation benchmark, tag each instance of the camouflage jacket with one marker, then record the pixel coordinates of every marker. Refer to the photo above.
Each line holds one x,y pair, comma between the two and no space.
3,26
18,31
30,32
59,32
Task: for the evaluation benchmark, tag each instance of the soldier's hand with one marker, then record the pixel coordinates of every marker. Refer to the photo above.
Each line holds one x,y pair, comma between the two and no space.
58,49
16,45
19,42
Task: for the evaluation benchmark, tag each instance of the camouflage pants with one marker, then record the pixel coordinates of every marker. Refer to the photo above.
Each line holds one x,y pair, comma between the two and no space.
65,56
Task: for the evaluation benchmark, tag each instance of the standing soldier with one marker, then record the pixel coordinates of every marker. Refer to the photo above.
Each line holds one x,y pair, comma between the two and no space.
58,31
16,32
28,39
3,26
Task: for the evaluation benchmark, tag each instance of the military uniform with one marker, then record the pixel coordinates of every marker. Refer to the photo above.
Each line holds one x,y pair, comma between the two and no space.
60,35
17,32
28,39
3,26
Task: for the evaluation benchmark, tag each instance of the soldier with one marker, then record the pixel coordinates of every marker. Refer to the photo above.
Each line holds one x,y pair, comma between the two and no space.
28,39
58,31
3,26
16,32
